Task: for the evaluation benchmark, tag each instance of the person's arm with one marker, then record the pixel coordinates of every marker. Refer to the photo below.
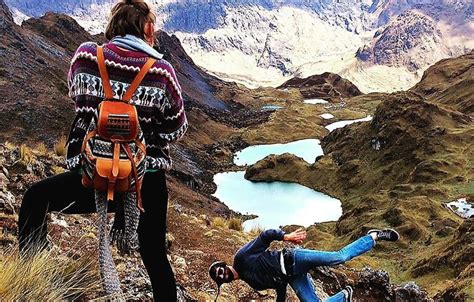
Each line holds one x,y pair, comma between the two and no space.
171,119
83,106
173,123
262,242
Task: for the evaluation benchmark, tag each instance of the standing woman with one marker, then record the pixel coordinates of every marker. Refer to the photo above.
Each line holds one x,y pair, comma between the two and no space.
162,119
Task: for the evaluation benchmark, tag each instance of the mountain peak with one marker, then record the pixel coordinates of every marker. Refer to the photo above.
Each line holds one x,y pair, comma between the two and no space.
412,40
62,29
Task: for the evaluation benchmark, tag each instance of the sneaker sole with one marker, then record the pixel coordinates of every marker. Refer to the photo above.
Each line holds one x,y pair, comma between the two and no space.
350,291
392,230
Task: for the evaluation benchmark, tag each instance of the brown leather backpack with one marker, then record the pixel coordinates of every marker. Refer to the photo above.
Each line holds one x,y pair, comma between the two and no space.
113,149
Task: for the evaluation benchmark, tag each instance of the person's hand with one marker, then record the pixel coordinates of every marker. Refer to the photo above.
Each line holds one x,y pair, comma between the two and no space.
295,237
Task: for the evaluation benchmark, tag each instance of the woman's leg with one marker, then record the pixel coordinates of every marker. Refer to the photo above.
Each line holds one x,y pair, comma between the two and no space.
305,259
152,234
303,287
63,192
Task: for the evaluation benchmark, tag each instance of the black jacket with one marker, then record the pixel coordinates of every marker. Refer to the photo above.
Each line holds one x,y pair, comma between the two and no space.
261,268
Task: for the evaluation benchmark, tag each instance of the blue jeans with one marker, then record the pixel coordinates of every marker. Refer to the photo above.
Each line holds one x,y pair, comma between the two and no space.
305,260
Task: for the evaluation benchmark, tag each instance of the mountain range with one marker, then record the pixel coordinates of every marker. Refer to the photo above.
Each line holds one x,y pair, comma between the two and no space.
380,45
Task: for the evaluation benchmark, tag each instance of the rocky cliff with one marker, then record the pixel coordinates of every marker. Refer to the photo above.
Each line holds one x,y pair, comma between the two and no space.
412,40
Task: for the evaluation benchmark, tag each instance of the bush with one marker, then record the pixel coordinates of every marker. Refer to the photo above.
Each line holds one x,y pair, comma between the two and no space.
60,146
235,224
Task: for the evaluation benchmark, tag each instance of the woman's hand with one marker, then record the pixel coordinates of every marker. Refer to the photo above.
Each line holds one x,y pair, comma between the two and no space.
295,237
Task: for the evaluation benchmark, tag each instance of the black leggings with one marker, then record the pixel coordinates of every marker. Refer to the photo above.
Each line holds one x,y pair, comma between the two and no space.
65,193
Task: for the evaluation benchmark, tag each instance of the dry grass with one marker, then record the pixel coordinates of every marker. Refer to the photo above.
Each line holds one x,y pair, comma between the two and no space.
57,170
41,149
235,224
256,229
9,145
60,146
47,276
219,222
26,155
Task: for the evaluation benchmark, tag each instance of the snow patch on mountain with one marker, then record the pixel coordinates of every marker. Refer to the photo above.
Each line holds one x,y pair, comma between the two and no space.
18,16
258,45
265,42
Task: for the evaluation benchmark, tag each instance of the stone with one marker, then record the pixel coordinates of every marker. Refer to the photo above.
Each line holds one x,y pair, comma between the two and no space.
411,292
4,181
180,263
5,171
7,202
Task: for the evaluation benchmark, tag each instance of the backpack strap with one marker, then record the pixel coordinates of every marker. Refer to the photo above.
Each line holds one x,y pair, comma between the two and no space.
103,73
138,79
128,151
106,80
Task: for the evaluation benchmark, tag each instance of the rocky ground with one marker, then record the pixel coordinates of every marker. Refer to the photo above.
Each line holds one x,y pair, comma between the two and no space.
194,241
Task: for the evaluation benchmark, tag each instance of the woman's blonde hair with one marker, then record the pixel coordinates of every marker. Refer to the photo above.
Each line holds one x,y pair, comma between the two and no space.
129,17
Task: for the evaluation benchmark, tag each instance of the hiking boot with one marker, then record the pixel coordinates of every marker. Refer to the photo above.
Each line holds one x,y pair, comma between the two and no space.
387,234
348,293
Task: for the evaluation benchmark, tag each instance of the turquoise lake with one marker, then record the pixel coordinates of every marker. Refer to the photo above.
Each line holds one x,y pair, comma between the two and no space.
276,203
308,149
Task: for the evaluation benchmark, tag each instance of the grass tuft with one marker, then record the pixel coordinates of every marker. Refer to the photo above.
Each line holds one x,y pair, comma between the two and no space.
256,229
9,145
60,146
57,170
26,155
235,224
46,276
41,149
219,222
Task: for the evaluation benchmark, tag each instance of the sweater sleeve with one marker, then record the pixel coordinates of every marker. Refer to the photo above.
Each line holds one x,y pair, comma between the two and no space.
270,235
173,124
82,108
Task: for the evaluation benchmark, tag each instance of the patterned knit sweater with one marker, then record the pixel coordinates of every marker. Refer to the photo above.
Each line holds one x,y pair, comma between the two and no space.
158,100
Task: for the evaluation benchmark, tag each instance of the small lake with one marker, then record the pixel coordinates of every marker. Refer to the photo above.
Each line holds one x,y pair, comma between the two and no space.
340,124
308,149
270,108
315,101
276,203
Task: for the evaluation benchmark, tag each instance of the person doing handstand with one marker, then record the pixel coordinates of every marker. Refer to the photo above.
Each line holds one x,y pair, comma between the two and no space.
264,269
